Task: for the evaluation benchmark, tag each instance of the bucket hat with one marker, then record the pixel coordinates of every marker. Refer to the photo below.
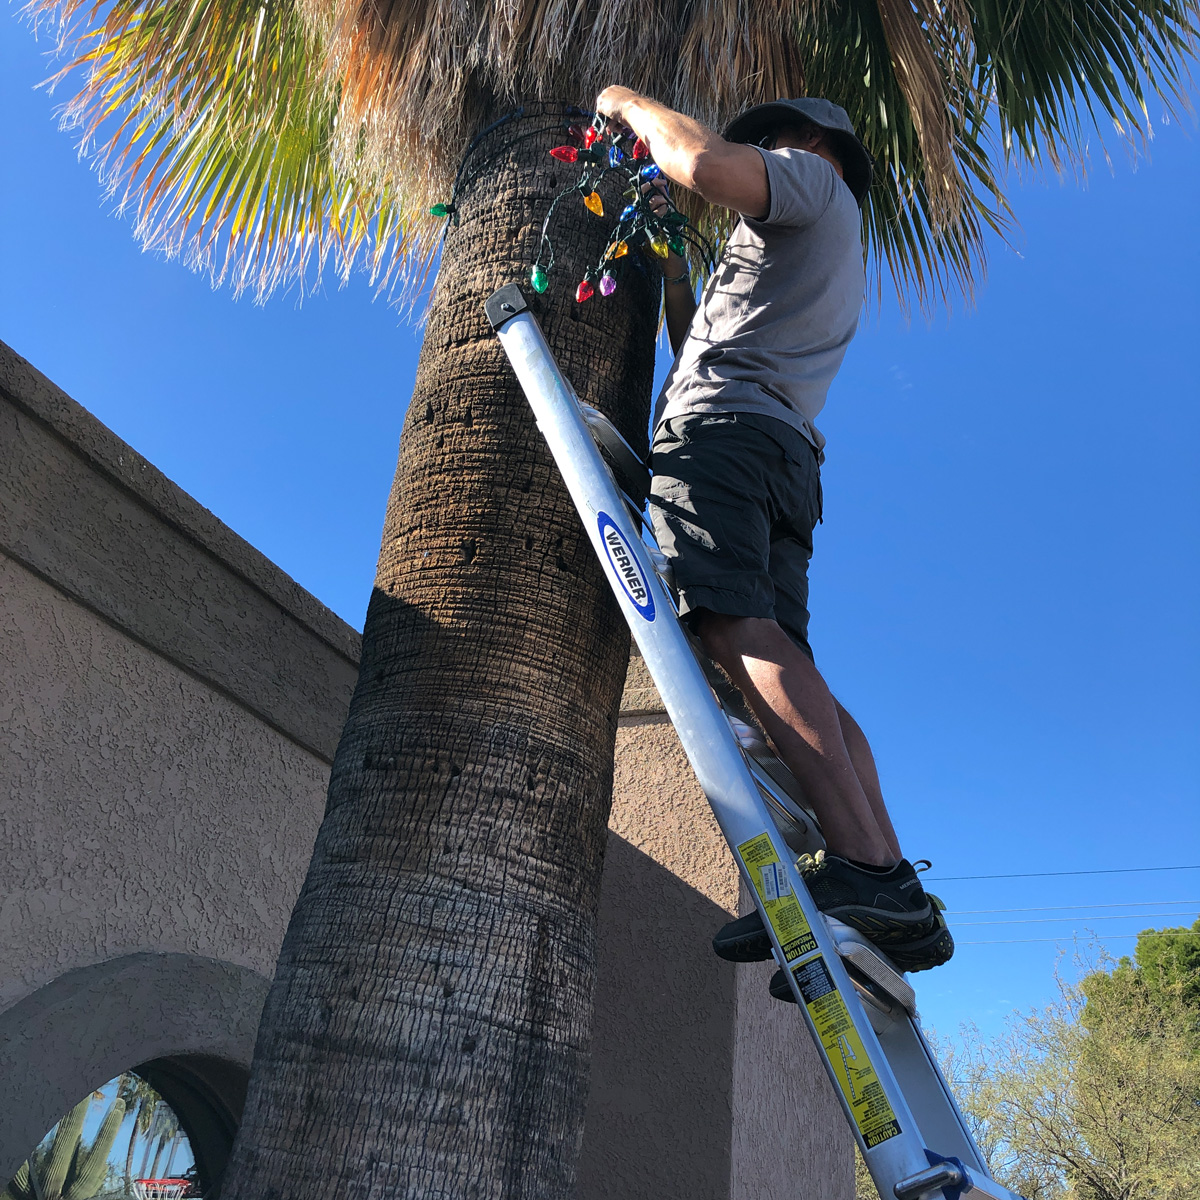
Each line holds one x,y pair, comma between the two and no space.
857,163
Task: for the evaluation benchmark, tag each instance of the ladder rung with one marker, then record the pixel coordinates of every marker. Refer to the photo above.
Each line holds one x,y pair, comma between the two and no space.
854,948
943,1175
634,473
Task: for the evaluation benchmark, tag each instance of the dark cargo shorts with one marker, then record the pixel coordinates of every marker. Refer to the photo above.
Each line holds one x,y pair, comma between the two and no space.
734,501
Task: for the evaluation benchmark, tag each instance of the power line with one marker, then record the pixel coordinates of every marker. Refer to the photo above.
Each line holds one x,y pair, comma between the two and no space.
1049,920
979,912
1051,874
1108,937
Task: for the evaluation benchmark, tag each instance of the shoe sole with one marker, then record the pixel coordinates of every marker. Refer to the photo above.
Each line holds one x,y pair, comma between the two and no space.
744,940
925,953
884,927
780,988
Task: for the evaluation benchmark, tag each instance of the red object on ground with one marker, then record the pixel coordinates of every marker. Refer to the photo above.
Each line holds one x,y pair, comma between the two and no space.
565,153
584,291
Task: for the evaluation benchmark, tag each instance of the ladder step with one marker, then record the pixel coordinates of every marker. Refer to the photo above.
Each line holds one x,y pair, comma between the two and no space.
855,949
631,471
941,1175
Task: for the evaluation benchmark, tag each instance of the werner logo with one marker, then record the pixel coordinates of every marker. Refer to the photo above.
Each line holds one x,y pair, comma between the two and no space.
628,570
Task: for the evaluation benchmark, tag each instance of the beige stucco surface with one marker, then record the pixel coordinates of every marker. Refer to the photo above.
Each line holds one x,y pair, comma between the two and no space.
142,810
703,1086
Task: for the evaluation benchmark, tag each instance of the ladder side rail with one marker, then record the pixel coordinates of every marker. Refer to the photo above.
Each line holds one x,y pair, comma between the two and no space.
894,1148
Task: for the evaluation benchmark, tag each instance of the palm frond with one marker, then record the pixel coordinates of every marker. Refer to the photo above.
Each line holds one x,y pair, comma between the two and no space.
262,139
215,122
933,248
1054,68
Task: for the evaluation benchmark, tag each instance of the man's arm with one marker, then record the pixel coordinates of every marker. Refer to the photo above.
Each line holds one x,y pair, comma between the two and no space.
679,300
688,153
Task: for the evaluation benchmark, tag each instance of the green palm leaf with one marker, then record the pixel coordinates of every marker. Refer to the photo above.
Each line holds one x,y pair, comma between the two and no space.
212,120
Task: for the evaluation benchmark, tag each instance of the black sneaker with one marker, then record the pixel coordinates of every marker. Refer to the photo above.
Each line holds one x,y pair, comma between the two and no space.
743,940
888,905
780,988
925,953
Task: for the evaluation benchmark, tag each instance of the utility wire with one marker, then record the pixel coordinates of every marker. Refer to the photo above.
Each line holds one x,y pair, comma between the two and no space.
1107,937
979,912
1051,874
1049,920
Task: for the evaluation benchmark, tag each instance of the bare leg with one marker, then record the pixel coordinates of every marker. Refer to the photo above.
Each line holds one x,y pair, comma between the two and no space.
797,709
863,762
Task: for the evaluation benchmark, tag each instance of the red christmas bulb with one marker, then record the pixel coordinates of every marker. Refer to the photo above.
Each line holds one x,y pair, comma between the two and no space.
565,153
591,135
640,149
576,134
584,291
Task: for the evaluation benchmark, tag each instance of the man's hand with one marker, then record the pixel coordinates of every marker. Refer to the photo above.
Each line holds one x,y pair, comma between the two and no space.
611,103
691,154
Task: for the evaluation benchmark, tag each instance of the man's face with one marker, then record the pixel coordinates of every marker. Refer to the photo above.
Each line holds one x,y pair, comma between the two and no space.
808,137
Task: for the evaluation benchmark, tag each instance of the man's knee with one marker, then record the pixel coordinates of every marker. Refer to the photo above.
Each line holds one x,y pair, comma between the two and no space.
725,637
715,632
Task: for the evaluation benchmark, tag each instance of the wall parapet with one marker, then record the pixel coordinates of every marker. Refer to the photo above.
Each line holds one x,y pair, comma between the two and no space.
88,514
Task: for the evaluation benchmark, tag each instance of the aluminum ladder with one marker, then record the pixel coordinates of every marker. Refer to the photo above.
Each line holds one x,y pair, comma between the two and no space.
860,1010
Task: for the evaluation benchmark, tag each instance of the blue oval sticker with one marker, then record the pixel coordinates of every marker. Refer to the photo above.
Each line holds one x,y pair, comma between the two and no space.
626,566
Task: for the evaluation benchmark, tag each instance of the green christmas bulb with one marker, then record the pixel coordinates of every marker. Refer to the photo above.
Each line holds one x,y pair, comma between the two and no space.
677,246
539,280
439,210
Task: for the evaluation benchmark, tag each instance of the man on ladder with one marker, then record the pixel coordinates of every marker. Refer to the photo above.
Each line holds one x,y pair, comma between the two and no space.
737,493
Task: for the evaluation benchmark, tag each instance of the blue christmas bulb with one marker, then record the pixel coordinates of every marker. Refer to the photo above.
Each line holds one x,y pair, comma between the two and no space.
650,171
630,211
615,156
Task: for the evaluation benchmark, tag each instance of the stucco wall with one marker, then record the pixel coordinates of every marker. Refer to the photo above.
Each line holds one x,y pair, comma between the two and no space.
166,818
703,1086
169,705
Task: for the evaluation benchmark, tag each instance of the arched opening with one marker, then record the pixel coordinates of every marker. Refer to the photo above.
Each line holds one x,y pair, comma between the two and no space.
160,1131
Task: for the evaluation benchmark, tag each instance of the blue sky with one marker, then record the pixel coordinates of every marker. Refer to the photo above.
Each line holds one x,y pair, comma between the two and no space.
1005,589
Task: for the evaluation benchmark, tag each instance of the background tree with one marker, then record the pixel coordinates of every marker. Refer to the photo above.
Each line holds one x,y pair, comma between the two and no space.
1097,1096
141,1102
428,1027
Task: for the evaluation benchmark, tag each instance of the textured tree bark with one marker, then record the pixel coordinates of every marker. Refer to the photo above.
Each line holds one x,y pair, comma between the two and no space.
428,1029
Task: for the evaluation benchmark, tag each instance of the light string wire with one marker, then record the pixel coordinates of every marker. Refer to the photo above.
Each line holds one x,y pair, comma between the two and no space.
663,229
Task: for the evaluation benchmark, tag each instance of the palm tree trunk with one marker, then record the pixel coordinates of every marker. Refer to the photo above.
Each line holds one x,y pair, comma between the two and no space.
133,1132
428,1029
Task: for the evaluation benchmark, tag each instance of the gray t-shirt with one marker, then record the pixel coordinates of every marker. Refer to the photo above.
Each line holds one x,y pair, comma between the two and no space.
777,314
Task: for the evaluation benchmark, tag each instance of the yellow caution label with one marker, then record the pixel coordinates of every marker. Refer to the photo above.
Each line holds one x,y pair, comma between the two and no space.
783,909
843,1047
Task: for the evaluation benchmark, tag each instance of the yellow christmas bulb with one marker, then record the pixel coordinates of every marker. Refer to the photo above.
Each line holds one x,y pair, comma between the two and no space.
619,250
660,247
594,203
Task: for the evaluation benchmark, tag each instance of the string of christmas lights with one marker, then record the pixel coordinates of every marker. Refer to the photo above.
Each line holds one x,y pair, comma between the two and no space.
657,229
